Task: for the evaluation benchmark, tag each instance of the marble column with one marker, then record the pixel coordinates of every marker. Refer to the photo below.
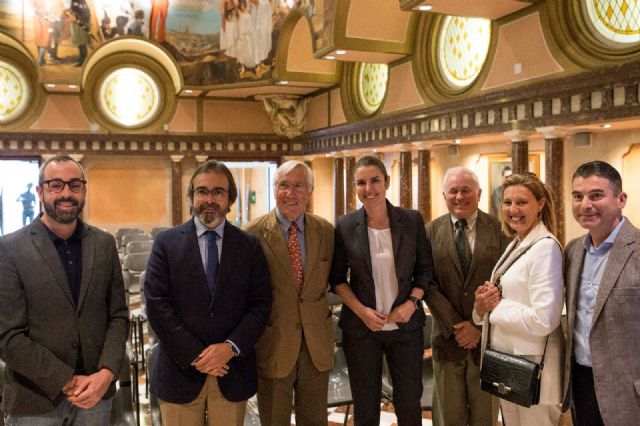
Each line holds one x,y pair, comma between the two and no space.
176,189
554,173
519,150
350,188
424,184
309,207
405,178
338,183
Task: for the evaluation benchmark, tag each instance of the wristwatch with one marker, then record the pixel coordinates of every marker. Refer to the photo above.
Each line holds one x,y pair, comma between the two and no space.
233,349
416,301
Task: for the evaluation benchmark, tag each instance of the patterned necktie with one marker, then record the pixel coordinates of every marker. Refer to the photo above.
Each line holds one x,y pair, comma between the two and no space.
462,246
212,260
294,253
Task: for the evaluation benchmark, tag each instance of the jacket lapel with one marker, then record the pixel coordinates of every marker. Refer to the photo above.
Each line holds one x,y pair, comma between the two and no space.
481,242
88,252
230,252
50,256
192,256
312,240
277,243
395,223
573,280
362,235
620,252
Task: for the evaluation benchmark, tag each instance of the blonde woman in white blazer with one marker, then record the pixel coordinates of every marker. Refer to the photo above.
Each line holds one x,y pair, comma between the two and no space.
526,307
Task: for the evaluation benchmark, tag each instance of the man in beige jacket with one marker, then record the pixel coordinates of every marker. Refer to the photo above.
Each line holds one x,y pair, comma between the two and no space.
295,353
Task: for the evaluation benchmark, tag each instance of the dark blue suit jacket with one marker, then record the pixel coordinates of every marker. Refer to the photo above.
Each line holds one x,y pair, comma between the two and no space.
187,320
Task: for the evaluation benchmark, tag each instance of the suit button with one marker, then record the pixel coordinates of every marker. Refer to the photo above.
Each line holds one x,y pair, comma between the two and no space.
465,293
74,345
211,315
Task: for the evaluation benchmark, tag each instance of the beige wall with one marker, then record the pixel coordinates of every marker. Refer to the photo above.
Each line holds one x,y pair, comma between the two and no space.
128,192
323,192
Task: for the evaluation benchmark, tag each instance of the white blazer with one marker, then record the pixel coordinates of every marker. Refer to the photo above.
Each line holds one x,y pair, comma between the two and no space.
530,309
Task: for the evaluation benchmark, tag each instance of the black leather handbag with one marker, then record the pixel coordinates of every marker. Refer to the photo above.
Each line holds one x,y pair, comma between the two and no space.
511,378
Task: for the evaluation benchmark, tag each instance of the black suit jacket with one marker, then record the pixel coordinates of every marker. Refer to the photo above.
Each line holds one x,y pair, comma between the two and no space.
412,256
187,320
40,326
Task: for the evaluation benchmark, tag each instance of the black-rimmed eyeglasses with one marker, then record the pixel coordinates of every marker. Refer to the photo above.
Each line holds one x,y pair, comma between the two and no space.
57,185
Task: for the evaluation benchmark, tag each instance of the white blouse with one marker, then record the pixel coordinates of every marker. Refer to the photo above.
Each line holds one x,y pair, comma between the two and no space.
384,272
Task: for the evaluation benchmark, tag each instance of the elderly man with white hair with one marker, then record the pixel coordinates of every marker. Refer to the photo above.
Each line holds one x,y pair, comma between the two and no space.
295,354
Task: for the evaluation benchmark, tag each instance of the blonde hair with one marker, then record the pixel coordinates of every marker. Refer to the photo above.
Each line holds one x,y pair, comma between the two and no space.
540,191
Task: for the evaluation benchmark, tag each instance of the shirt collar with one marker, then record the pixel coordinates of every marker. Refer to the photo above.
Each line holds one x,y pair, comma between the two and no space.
201,228
76,236
471,221
606,244
287,223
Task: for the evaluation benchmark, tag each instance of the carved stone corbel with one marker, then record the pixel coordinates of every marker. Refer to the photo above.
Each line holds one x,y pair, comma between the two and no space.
288,113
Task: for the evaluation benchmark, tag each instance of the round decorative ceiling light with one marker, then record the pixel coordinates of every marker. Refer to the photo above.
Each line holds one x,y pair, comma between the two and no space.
616,21
129,97
463,46
14,92
372,86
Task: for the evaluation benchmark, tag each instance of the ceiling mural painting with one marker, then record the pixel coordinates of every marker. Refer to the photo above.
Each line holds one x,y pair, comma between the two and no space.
213,41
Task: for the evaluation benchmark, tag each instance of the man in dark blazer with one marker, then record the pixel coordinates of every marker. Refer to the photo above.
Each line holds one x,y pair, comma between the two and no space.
208,299
295,354
63,315
457,399
602,278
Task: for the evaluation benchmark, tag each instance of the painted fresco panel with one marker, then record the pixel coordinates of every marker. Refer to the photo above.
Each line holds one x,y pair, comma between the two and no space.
213,41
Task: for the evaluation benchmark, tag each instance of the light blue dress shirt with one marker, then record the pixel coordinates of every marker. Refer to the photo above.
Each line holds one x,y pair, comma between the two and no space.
201,228
595,262
285,224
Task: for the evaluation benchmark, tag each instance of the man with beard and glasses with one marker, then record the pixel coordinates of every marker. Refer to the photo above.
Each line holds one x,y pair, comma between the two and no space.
63,315
208,293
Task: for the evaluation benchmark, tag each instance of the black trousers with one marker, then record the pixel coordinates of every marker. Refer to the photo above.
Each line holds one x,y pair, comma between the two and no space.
403,351
585,410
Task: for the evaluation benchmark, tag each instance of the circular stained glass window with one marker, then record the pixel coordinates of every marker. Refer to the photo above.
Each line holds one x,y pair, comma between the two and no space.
617,21
463,45
372,86
129,97
14,92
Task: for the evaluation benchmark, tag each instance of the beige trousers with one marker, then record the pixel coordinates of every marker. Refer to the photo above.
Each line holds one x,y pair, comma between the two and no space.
536,415
457,397
218,410
305,388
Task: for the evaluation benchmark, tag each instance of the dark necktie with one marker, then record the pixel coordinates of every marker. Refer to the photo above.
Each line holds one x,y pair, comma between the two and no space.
462,246
294,253
212,260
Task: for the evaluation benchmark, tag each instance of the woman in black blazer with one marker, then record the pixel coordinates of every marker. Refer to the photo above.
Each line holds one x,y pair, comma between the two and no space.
385,251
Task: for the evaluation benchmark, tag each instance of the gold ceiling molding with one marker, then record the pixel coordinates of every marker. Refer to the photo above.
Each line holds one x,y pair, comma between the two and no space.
338,37
431,83
317,70
16,57
99,71
566,23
